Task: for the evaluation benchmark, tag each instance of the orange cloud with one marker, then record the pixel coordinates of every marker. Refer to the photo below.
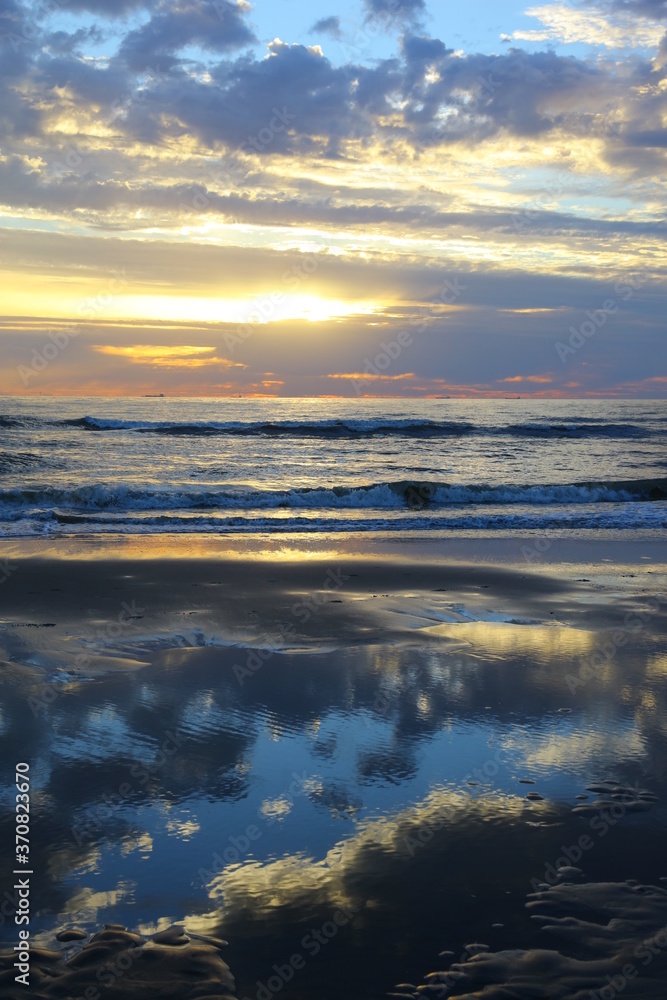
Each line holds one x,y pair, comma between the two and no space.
363,377
164,356
542,379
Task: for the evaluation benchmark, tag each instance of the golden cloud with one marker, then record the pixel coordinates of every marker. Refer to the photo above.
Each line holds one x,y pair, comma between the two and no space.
165,356
363,377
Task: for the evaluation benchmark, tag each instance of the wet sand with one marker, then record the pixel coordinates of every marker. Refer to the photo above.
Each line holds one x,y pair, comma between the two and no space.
253,744
119,964
61,600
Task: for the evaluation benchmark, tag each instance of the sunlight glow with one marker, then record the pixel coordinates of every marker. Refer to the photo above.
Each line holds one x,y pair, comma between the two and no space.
273,307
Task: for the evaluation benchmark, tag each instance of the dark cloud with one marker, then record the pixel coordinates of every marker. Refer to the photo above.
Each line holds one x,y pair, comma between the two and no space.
17,34
19,117
462,100
651,138
106,8
328,26
522,94
407,11
315,101
88,82
644,8
65,43
214,25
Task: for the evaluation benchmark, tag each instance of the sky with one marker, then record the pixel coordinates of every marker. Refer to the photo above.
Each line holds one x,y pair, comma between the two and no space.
354,198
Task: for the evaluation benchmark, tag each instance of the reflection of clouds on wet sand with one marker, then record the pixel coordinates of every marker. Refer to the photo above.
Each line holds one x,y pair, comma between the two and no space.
184,829
352,766
276,809
574,751
329,881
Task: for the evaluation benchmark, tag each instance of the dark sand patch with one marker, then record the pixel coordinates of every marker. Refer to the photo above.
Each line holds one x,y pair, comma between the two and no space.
117,613
614,940
119,965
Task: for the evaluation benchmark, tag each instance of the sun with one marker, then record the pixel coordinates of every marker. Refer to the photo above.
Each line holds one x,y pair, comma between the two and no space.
272,307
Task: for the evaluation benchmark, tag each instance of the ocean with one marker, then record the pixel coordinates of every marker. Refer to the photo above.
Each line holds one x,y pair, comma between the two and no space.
162,465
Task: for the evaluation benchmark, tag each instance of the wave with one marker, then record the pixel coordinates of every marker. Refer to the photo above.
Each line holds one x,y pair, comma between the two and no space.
13,461
406,427
615,519
403,427
403,494
305,428
9,420
574,430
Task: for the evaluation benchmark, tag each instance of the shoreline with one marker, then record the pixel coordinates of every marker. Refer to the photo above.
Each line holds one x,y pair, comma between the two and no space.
527,548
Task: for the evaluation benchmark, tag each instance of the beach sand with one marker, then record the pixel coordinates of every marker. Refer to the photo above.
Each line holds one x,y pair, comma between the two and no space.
414,732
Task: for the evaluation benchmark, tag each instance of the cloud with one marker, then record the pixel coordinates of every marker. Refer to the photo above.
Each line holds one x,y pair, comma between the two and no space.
166,356
65,43
643,8
534,177
328,26
213,26
431,98
619,28
107,8
407,11
363,377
